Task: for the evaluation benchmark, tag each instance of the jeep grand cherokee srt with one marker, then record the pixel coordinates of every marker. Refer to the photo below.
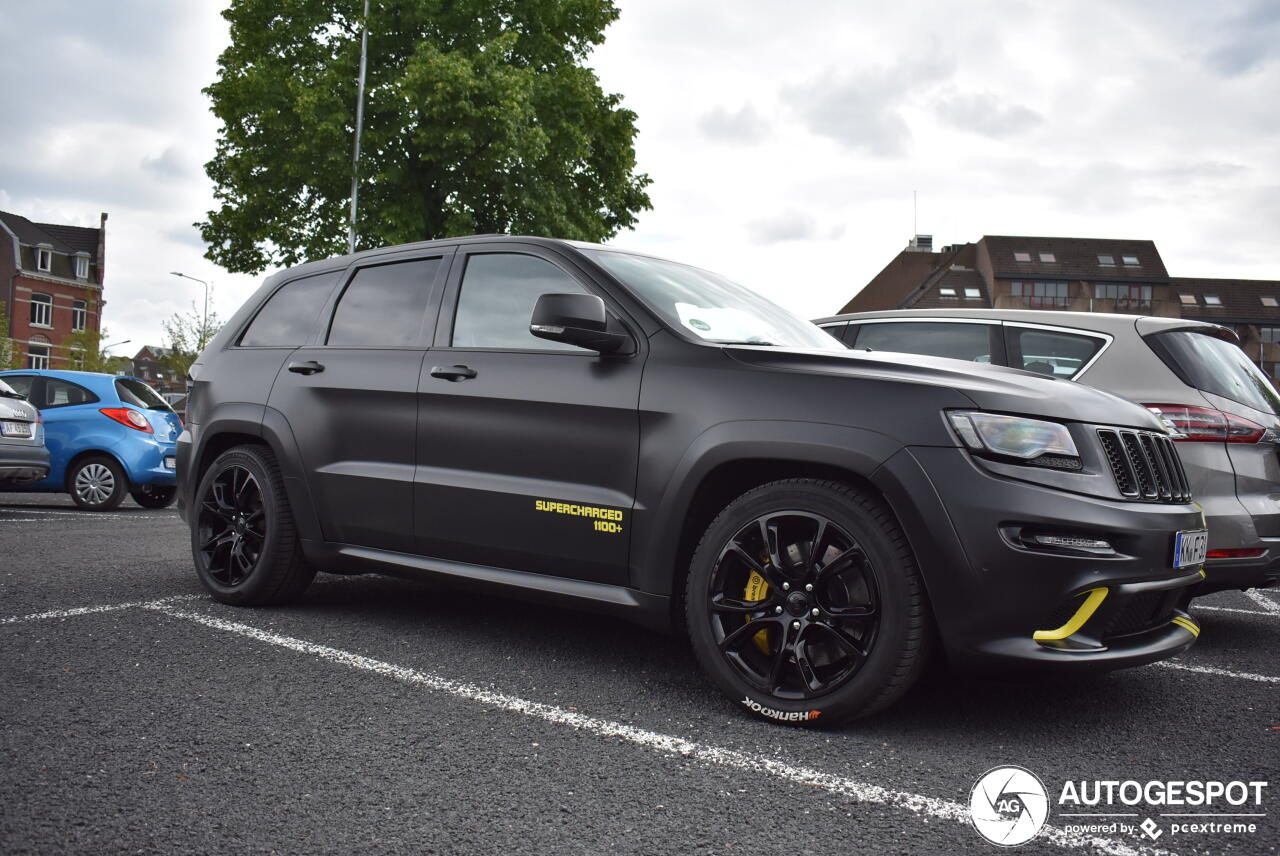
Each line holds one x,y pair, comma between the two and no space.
647,438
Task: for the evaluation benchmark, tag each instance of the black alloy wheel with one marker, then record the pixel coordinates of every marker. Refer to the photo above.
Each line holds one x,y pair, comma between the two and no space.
243,538
794,604
804,603
231,525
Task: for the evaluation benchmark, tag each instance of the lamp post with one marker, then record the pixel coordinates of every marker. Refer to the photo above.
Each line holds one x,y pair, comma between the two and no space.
204,323
113,344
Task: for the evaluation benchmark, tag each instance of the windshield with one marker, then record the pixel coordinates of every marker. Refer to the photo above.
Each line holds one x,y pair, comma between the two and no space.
7,391
1219,367
709,306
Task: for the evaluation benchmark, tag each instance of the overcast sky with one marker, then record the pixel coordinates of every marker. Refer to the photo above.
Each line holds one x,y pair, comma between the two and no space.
784,139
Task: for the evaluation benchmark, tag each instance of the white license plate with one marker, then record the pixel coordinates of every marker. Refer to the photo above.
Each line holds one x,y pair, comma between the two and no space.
170,462
1190,547
15,429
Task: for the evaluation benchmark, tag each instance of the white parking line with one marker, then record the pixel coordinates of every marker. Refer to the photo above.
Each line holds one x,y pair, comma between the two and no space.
83,515
1263,601
91,610
664,743
1222,673
1195,608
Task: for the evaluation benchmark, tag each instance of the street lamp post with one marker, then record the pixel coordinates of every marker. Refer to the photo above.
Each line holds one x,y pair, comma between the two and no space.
204,323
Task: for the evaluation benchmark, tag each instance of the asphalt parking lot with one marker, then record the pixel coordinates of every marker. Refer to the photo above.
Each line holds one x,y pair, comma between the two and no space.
382,716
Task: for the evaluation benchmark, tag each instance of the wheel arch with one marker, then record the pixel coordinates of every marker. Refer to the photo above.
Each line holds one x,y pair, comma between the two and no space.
95,452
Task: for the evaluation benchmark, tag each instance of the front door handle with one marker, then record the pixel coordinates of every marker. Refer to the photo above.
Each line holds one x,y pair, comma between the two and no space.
453,373
307,367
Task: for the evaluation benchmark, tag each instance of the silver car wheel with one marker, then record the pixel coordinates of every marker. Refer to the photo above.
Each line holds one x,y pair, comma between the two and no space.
94,484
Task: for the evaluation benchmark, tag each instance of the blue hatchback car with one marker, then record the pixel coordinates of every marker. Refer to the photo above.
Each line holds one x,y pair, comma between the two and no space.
108,436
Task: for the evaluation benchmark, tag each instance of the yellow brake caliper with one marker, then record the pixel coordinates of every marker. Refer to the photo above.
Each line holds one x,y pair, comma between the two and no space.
757,590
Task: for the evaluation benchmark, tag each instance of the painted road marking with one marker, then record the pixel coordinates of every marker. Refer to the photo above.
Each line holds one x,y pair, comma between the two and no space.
1263,601
664,743
1195,608
1222,673
92,610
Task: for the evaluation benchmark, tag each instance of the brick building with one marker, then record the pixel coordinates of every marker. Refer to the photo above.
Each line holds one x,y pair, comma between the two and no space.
51,285
1077,275
149,364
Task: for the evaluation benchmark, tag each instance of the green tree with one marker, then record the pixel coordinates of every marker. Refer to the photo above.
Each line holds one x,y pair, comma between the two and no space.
84,347
186,334
10,354
479,117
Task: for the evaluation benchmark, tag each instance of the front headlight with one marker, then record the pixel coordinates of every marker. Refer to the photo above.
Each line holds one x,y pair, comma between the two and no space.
1014,436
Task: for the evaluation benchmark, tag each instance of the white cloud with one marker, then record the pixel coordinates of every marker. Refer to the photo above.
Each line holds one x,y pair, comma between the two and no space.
785,142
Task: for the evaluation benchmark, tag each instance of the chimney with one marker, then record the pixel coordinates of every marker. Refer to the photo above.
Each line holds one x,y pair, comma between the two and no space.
921,244
102,249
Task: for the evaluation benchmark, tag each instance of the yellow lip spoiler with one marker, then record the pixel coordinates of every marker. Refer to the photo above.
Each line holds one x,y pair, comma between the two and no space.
1083,614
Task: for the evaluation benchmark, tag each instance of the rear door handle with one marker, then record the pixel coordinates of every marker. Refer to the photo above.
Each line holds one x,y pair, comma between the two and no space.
307,367
453,373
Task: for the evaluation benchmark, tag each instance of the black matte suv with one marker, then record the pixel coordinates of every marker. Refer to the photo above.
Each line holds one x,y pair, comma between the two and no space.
649,439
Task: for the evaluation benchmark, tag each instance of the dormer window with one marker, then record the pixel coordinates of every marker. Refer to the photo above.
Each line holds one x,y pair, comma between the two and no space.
947,292
1107,261
1048,258
1022,257
44,259
82,267
1268,301
1130,261
1188,300
972,294
1212,300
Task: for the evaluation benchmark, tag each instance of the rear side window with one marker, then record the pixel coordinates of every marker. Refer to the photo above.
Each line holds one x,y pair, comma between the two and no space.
496,303
138,394
1050,352
971,342
288,318
1217,367
61,393
384,306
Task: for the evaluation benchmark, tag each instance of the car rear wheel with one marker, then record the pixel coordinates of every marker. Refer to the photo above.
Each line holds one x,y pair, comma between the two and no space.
243,537
97,483
804,603
154,496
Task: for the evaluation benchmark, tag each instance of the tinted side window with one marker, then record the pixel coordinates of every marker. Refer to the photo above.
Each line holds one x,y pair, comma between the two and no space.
836,330
1215,366
970,342
138,394
21,384
1050,352
383,307
497,298
61,393
288,318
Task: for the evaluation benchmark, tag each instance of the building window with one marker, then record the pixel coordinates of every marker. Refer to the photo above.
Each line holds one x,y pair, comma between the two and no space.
1270,335
82,267
947,292
1188,300
44,259
1127,297
77,358
41,310
1042,295
79,316
1107,260
1212,300
1130,261
972,294
1022,257
1048,258
1268,301
37,356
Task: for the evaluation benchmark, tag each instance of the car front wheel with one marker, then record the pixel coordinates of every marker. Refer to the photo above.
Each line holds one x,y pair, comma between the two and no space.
243,539
804,603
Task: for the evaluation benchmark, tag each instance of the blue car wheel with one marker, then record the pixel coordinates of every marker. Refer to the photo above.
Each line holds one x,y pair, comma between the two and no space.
97,483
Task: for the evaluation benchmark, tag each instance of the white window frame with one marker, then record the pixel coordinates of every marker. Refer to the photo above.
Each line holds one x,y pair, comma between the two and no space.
44,259
38,362
77,358
79,316
47,303
82,267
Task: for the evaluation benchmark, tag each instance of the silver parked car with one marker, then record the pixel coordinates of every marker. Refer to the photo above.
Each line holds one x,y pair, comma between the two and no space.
23,456
1223,411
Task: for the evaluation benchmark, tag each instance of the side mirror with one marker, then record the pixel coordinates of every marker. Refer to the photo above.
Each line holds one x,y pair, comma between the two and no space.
576,319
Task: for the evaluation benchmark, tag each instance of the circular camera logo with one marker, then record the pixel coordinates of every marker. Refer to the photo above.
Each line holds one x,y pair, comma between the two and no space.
1008,805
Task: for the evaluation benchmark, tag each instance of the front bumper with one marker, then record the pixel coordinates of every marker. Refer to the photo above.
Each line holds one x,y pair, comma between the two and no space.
993,593
22,464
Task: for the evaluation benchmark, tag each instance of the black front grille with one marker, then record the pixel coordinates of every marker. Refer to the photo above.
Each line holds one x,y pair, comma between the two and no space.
1145,465
1142,612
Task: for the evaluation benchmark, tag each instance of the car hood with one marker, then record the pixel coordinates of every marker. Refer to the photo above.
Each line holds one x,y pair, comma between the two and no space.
993,388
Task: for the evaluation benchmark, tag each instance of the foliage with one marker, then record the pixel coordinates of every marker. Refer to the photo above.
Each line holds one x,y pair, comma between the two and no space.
10,354
478,118
186,334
